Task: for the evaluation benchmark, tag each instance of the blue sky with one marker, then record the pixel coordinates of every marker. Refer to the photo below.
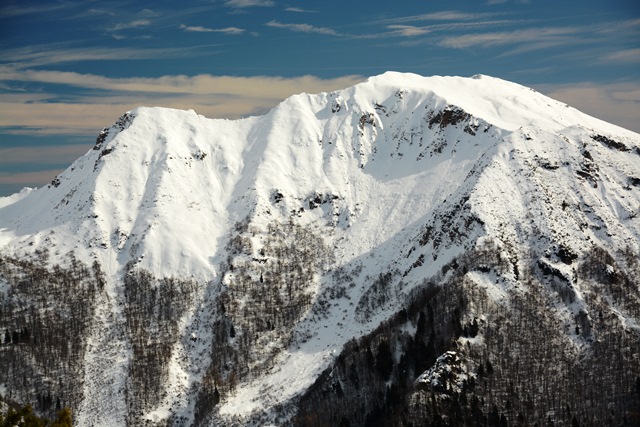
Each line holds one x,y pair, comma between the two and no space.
70,68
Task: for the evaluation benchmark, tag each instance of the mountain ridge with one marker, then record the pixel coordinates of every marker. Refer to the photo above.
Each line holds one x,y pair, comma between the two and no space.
191,153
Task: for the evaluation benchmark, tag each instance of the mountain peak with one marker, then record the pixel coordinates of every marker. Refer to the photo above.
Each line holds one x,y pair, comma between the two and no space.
155,162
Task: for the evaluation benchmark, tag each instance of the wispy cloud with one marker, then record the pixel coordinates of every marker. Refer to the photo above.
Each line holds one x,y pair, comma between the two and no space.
39,55
203,84
546,36
101,12
450,15
249,3
148,13
303,28
442,22
626,56
299,10
408,30
404,30
29,178
8,11
137,23
227,30
52,155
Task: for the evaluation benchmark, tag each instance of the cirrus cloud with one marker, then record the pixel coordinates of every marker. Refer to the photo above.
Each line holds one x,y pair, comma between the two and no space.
131,24
447,15
199,29
302,28
626,56
551,34
408,30
299,10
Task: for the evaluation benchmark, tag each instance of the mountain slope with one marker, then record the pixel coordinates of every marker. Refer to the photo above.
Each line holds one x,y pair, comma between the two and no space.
229,263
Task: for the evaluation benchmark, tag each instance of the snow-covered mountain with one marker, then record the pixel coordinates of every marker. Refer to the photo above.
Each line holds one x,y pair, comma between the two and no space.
192,271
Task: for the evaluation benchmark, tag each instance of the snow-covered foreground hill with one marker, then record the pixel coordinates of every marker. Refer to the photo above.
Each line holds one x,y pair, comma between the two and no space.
193,271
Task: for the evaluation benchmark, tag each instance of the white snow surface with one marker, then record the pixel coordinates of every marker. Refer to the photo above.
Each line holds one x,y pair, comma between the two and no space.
165,189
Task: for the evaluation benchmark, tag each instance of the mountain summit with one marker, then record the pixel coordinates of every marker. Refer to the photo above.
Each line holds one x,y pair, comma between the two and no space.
410,249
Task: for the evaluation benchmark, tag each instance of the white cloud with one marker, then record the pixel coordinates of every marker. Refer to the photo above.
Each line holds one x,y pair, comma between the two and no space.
299,10
303,28
549,36
7,11
404,30
198,29
148,12
408,30
617,103
447,15
39,55
101,12
132,24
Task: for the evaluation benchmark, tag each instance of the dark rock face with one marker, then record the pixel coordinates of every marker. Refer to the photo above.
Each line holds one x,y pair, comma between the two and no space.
610,143
450,116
